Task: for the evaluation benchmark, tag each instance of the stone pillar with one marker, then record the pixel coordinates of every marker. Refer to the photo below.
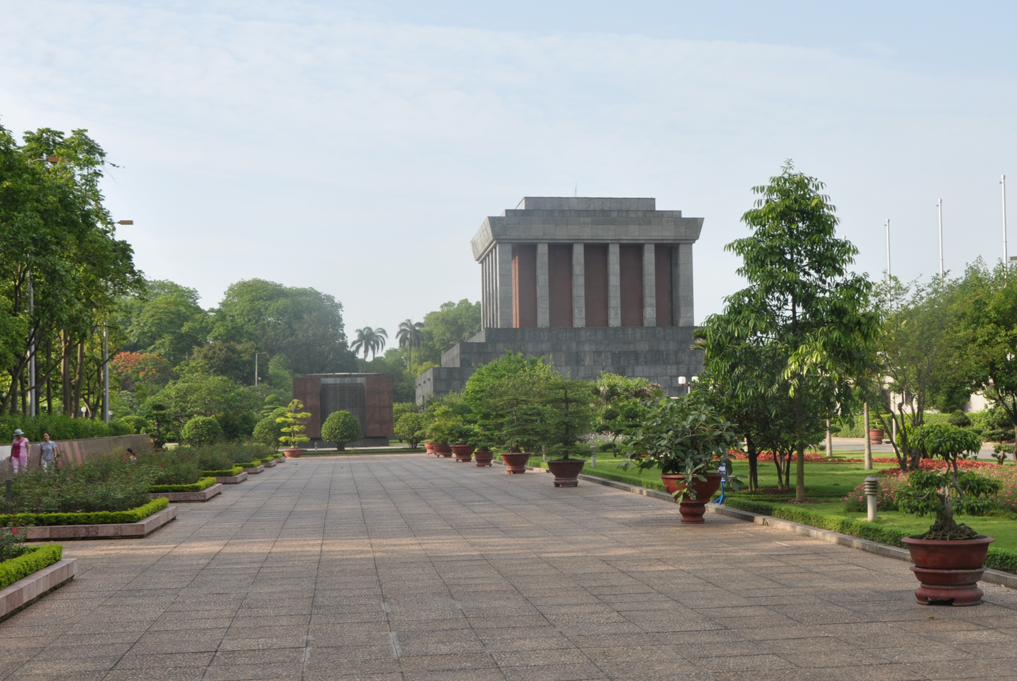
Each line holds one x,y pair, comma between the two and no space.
578,286
613,285
504,285
649,285
681,280
543,293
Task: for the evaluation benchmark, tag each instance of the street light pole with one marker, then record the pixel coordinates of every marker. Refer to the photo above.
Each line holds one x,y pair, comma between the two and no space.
33,393
255,370
939,205
105,371
1002,182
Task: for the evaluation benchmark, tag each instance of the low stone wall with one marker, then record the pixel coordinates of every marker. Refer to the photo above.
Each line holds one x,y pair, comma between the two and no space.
78,451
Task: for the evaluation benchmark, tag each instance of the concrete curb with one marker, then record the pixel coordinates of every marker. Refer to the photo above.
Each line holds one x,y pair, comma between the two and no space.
232,479
203,495
260,468
136,530
36,585
992,576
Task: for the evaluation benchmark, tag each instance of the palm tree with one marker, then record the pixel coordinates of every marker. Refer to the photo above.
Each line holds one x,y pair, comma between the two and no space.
410,335
369,341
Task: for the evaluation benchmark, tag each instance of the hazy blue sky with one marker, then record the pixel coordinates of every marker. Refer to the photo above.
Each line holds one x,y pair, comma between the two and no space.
356,146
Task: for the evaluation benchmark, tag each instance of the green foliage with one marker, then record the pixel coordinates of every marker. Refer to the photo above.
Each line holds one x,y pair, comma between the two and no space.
341,427
12,543
268,430
164,320
448,325
108,483
29,562
59,427
569,417
293,424
169,467
199,486
621,403
681,436
202,430
137,424
946,441
202,395
233,360
231,472
132,515
959,419
410,428
506,396
369,341
441,424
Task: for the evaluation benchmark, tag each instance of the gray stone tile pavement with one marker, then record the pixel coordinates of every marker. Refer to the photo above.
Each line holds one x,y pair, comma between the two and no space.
402,567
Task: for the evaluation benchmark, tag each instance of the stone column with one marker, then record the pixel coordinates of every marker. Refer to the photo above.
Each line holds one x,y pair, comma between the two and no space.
543,294
684,315
649,285
613,285
504,285
578,286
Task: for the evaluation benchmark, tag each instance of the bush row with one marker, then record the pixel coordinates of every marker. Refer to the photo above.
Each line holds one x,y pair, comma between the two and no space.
133,515
225,472
31,560
59,427
998,559
199,486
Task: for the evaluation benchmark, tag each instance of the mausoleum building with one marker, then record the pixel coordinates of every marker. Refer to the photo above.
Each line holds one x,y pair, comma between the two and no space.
591,284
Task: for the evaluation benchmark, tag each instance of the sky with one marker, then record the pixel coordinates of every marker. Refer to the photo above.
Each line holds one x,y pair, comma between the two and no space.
356,146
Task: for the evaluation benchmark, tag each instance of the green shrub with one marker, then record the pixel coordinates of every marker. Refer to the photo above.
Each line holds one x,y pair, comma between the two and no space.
200,485
108,483
202,430
237,427
133,515
341,427
137,424
170,467
59,427
225,472
30,561
410,428
268,430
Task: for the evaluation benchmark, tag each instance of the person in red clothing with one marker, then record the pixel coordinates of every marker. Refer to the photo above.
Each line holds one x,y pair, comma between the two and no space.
19,452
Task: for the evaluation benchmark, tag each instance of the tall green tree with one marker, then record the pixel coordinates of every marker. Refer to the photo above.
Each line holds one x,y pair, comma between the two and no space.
802,302
369,341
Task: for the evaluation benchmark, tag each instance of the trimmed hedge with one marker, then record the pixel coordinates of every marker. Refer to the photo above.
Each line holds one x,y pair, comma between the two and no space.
133,515
225,473
202,484
998,559
31,561
250,464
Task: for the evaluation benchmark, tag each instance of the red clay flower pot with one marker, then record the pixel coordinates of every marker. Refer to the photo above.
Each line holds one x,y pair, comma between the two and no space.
692,510
292,453
876,436
566,471
515,462
442,449
483,458
463,452
948,570
429,448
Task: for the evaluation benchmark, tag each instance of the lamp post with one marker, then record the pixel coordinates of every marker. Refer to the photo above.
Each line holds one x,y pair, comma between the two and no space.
105,355
1002,182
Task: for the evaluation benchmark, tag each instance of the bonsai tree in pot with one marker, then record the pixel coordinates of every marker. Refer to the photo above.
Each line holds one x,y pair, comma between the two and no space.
569,417
687,442
293,426
441,430
949,558
341,427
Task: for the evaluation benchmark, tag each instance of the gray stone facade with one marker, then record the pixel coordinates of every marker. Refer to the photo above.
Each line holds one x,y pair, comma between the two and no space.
592,284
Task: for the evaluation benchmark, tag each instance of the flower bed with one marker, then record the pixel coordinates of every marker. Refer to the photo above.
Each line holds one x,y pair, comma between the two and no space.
202,484
105,484
31,560
133,515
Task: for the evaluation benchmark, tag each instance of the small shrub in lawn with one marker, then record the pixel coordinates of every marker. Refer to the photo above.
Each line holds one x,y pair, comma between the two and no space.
202,430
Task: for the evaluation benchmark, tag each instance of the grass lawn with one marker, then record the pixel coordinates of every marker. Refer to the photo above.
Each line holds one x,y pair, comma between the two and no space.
826,484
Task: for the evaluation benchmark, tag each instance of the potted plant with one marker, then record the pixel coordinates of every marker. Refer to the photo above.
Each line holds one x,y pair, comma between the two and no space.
686,441
876,436
950,558
569,418
441,431
482,455
293,426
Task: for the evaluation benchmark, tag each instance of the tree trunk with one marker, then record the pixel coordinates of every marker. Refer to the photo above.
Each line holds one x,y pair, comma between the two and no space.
777,460
753,464
79,379
65,374
49,375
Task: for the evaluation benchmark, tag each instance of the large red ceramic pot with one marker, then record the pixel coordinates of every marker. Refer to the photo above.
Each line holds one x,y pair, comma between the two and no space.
948,570
692,510
463,452
876,436
566,472
429,448
292,453
442,449
483,458
515,462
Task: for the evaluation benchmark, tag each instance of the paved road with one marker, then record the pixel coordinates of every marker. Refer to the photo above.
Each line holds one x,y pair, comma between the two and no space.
409,568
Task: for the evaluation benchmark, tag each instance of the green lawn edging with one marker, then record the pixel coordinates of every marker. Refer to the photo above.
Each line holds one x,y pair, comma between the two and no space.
133,515
31,561
998,559
249,464
225,473
199,486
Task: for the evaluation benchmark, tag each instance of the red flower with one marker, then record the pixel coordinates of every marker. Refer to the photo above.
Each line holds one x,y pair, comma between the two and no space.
14,530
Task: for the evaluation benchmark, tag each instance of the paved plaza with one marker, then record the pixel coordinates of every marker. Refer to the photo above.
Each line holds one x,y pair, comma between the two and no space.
403,567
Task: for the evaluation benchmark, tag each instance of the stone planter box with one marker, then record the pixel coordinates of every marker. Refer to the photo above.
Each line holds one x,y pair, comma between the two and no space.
257,469
268,464
232,479
106,531
203,495
36,585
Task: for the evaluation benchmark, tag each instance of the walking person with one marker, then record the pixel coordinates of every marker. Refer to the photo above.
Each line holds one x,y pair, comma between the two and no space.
48,453
19,452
